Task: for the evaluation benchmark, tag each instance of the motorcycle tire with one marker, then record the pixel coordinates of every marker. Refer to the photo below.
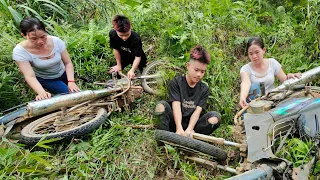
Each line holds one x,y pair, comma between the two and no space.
148,71
189,143
32,133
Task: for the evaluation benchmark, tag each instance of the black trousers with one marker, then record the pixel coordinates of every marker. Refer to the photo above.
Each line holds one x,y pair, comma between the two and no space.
166,121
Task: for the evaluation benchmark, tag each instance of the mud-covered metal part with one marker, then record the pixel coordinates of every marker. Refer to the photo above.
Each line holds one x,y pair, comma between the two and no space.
281,167
37,108
313,90
256,107
237,118
214,165
261,172
14,115
302,172
257,128
263,129
280,128
259,106
306,77
48,105
215,140
292,85
309,123
125,99
238,133
245,165
291,107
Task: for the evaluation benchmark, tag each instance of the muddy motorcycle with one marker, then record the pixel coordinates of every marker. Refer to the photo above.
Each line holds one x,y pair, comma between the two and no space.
75,114
290,110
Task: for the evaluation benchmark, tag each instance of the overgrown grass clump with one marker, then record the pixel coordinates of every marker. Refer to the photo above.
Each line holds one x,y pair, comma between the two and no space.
171,28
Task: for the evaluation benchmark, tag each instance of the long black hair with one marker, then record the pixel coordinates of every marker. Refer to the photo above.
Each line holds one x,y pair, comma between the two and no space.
255,41
31,24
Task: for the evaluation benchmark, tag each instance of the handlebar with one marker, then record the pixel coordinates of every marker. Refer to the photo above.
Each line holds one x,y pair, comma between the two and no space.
239,113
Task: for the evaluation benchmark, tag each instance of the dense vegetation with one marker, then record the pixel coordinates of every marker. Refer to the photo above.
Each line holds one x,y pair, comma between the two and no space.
290,29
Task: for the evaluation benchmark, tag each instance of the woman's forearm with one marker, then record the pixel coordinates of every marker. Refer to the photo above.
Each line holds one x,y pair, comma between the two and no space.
70,71
244,89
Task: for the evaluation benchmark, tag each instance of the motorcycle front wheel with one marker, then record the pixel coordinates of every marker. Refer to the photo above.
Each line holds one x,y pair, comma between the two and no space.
62,124
157,74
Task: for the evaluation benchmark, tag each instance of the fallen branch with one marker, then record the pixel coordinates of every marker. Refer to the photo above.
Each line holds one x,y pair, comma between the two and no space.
149,126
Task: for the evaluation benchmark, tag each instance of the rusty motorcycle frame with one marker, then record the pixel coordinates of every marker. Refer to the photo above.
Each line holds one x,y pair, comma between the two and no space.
75,114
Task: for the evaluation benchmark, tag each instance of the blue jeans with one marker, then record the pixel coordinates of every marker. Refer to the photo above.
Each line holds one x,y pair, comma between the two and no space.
252,96
55,86
252,88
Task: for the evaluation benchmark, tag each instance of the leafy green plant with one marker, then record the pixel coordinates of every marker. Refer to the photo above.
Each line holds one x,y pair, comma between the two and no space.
297,151
18,162
42,9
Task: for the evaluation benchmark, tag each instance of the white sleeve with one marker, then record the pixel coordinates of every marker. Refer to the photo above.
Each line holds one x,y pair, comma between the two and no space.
275,65
61,46
20,54
245,68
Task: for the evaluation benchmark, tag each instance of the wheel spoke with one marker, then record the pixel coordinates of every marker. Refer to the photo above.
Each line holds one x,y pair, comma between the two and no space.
66,121
166,71
152,82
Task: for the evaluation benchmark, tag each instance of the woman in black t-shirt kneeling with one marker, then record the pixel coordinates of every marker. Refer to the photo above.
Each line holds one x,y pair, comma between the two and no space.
187,99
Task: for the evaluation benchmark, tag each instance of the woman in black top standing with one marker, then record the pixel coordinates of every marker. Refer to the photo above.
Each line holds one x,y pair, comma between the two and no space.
127,46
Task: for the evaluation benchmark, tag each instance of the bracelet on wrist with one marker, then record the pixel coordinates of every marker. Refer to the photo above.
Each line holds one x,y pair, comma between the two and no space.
71,81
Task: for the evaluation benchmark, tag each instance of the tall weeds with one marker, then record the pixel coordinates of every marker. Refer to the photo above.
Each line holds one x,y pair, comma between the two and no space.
290,30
